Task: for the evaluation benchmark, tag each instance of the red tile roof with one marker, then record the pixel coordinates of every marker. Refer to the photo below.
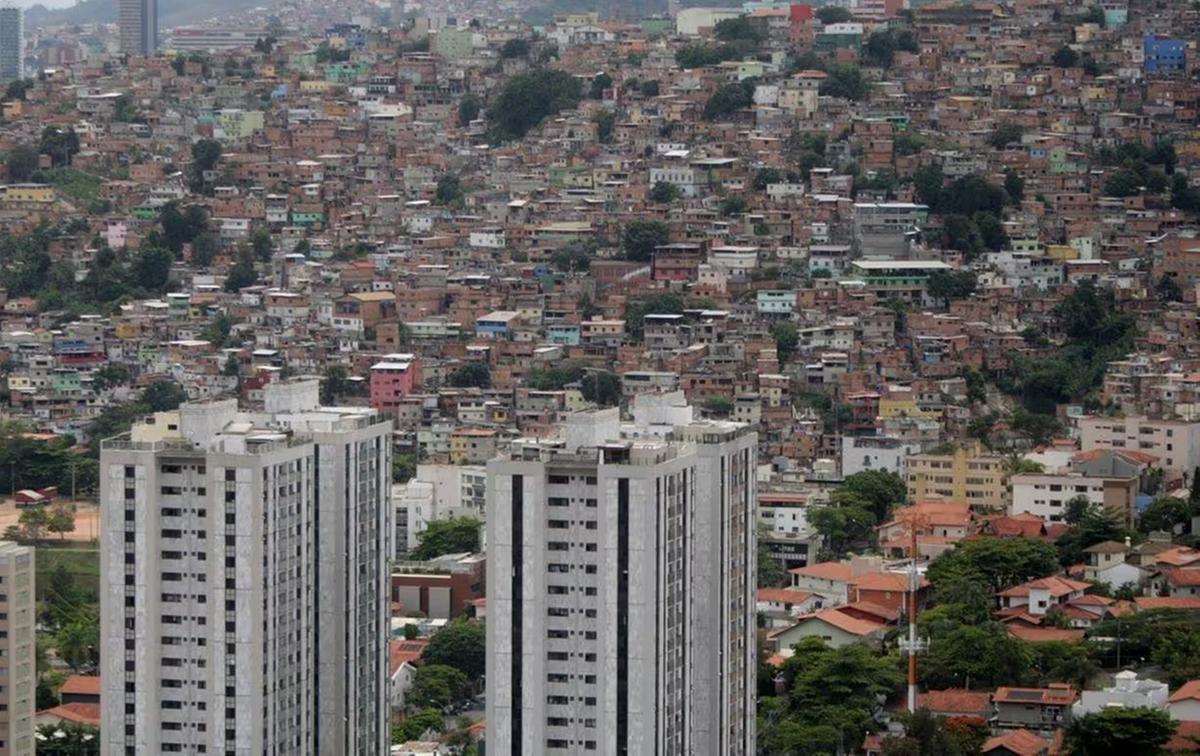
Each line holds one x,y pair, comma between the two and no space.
1186,740
1044,634
884,581
1019,742
1189,691
956,701
80,713
1182,577
81,685
844,622
401,651
1054,695
1056,585
838,571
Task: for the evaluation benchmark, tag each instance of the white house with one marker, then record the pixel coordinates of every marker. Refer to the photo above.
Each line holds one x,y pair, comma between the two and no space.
1128,692
1184,704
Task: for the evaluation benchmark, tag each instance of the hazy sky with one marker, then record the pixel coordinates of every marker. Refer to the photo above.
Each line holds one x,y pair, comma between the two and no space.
47,3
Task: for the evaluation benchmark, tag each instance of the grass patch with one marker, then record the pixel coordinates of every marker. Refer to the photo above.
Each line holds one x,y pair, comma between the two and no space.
80,560
79,186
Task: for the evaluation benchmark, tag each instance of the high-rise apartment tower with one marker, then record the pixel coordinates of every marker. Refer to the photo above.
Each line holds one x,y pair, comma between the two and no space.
244,555
621,587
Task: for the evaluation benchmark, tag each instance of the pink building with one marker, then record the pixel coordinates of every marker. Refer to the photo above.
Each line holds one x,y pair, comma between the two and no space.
392,379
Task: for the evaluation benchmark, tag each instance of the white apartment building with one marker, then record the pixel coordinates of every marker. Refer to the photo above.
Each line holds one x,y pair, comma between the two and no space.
621,587
437,492
18,617
1176,443
244,561
1046,495
862,453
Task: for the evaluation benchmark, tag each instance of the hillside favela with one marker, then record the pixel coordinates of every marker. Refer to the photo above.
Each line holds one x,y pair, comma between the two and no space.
615,377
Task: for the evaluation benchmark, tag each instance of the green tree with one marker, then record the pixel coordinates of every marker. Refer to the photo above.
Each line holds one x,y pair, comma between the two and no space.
649,88
787,338
664,191
600,82
602,388
206,153
877,491
61,519
845,80
830,700
1177,650
951,284
182,226
67,739
728,99
833,14
163,395
973,656
928,735
997,563
1006,133
33,522
1065,57
529,98
1014,185
1119,731
907,143
843,526
1124,182
60,144
205,247
242,273
152,268
1166,513
335,384
111,374
404,468
22,162
78,642
469,108
462,644
770,572
449,190
414,726
659,304
437,686
472,375
454,535
640,237
605,121
514,48
262,244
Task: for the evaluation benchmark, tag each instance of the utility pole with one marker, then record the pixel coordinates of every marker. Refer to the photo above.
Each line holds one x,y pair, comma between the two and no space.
912,645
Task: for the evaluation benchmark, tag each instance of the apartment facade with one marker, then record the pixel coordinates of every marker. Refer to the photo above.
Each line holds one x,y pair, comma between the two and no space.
12,44
244,557
620,588
17,668
1176,443
138,21
966,474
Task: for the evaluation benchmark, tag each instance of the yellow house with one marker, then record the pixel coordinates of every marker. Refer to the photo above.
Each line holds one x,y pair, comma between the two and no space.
472,446
1061,252
127,329
966,474
316,86
903,407
40,193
